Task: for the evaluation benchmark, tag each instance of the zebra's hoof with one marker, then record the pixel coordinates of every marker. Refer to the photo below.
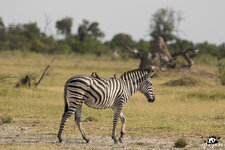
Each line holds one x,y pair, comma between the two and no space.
62,142
121,140
115,141
87,140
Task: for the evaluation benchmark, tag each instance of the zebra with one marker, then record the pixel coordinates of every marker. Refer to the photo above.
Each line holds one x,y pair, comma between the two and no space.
101,93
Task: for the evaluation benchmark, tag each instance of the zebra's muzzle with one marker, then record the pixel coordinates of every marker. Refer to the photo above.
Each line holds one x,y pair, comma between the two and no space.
151,100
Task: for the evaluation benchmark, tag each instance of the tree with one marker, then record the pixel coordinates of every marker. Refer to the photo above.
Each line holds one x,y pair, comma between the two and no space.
180,44
82,32
31,31
2,26
95,31
89,30
116,40
159,56
15,37
143,46
48,21
64,26
2,29
160,53
164,23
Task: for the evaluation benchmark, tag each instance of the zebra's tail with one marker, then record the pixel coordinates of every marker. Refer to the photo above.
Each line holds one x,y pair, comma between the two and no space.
65,99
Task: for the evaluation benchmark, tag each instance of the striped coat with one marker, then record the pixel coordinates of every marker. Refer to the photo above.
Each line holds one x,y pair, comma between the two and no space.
101,93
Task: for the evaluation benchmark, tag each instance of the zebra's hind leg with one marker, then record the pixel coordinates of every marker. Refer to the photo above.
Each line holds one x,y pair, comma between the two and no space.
123,120
79,124
65,117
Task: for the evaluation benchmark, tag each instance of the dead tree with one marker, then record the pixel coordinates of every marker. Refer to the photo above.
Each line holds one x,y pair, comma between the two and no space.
27,79
187,54
145,58
160,52
42,76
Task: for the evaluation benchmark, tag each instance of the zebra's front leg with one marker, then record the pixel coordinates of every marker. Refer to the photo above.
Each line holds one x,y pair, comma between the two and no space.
123,120
79,124
117,112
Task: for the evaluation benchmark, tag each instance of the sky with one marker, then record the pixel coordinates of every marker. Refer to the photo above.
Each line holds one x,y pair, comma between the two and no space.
203,20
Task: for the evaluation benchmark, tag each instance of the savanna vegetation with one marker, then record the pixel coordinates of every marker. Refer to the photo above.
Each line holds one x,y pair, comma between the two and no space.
88,38
189,102
180,110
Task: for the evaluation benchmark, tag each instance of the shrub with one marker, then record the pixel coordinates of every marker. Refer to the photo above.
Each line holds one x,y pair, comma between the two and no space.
91,119
180,143
61,48
206,59
183,81
25,81
221,68
37,46
6,118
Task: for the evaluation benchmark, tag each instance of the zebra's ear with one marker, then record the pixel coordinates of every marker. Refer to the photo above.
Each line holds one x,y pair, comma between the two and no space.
151,74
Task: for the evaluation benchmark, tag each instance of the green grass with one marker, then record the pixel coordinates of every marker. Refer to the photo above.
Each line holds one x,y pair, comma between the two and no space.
178,110
221,70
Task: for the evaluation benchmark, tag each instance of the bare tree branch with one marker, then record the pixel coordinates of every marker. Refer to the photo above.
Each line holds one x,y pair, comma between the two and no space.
132,50
44,72
48,21
184,53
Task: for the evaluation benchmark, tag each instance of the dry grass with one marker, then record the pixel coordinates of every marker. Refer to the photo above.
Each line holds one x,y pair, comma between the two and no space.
181,110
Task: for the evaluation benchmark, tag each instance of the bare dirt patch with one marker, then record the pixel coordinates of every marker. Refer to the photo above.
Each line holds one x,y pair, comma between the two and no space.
14,134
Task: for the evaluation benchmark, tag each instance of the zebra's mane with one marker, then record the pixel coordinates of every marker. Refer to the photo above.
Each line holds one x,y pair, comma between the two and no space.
147,69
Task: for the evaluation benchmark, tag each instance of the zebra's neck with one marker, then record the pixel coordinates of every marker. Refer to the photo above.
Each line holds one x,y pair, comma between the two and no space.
134,79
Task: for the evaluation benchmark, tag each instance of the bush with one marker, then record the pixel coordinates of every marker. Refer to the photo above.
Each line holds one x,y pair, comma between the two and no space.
180,143
221,67
91,119
37,46
61,48
6,118
206,59
183,81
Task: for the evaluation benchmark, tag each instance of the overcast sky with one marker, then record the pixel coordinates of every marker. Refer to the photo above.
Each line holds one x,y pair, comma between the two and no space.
204,20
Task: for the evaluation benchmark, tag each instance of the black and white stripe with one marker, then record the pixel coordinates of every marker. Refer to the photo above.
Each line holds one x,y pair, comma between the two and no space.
101,93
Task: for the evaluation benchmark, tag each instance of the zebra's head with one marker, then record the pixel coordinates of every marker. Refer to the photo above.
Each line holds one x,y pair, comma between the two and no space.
147,89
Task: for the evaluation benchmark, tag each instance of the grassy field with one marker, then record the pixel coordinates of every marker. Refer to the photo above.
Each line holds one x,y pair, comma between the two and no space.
191,112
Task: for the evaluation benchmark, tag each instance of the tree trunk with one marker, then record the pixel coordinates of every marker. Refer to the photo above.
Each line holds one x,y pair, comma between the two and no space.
146,60
159,51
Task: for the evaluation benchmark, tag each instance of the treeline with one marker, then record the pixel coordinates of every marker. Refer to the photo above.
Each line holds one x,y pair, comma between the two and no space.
87,39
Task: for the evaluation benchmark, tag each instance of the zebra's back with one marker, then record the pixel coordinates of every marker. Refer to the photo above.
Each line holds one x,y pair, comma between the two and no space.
95,93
